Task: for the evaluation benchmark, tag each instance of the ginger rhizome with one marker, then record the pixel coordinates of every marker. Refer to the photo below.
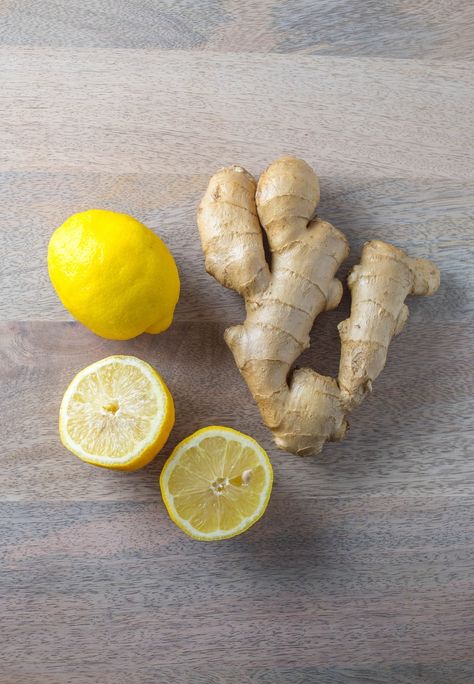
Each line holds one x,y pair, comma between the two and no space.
302,408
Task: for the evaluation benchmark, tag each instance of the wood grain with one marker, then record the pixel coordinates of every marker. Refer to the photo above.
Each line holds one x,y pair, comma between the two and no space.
90,585
129,111
362,569
398,29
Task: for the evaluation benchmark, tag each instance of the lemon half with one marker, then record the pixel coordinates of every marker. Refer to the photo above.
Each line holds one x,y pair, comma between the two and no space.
116,413
216,483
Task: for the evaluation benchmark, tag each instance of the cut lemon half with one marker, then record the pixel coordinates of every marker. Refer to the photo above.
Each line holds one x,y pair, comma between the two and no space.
216,483
116,413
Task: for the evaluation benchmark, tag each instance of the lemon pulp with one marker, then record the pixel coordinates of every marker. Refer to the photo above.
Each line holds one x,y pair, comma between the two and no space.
116,413
216,483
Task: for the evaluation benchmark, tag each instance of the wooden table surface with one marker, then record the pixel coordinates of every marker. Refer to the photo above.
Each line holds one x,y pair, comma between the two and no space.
362,569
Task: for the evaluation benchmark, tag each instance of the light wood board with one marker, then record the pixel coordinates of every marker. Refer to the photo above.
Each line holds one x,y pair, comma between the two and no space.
362,568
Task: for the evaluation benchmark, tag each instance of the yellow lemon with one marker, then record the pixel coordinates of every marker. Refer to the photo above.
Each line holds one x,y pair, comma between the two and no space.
216,483
113,274
116,413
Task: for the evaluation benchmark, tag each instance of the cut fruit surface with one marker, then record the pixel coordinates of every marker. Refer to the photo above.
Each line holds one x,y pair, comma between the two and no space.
216,483
116,413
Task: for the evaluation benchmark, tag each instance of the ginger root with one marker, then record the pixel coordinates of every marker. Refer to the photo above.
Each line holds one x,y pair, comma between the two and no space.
302,408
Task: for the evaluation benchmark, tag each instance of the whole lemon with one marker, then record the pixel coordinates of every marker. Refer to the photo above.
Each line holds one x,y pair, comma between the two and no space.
113,274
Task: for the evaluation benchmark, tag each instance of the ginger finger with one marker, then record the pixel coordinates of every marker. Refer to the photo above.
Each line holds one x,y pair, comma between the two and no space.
379,286
230,232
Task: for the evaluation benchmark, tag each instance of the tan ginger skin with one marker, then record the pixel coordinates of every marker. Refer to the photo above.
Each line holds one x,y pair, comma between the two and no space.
303,409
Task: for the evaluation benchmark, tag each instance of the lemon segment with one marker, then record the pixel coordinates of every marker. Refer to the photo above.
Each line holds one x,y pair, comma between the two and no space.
216,483
116,413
